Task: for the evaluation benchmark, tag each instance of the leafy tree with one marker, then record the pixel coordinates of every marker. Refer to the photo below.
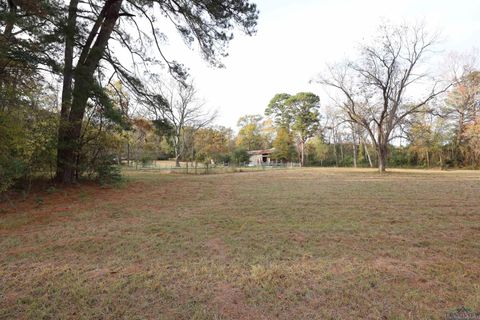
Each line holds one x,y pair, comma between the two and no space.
461,108
12,137
101,136
297,113
250,134
279,108
421,141
212,144
27,141
304,106
284,149
472,136
318,149
30,31
239,156
267,131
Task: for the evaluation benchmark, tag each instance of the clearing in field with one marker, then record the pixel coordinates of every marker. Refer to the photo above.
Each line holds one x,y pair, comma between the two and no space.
286,244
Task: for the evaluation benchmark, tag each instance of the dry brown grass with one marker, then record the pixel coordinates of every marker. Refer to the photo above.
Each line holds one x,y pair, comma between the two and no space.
286,244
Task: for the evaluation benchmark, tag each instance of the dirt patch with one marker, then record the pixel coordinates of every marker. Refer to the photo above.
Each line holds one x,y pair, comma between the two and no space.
126,271
393,266
217,248
230,303
298,237
60,200
43,207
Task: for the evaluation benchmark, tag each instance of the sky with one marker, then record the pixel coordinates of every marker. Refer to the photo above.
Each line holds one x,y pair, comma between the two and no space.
296,39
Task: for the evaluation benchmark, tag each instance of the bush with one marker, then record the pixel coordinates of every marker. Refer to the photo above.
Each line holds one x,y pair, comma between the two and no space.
240,155
222,158
11,169
146,161
12,143
108,172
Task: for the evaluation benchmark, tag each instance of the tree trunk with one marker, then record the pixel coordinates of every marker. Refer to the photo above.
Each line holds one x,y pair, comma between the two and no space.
354,154
368,155
341,153
69,142
458,159
66,90
354,138
335,153
10,20
302,160
382,157
177,160
5,39
176,143
128,153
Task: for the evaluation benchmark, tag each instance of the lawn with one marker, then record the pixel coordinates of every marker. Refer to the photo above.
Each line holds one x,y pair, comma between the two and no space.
281,244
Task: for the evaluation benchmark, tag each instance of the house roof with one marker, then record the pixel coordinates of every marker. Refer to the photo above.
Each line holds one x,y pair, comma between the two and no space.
265,151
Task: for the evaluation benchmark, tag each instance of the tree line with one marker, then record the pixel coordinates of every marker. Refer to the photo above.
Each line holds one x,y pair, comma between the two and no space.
72,105
387,107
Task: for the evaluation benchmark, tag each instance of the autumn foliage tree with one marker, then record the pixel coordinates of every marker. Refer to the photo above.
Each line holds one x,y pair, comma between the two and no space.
472,143
462,108
284,148
250,136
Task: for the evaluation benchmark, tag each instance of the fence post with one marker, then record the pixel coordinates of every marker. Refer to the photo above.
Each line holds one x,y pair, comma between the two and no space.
187,167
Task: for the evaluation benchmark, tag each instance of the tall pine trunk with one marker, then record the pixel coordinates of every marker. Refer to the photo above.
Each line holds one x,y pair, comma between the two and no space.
92,52
66,90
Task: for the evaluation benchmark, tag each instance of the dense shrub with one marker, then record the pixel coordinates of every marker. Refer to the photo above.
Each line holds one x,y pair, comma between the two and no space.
239,155
27,145
146,160
108,172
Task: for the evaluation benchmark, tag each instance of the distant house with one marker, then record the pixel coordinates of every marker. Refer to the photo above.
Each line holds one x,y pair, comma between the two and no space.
260,157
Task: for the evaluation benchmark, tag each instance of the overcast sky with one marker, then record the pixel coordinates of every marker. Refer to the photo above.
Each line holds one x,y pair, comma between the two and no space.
296,38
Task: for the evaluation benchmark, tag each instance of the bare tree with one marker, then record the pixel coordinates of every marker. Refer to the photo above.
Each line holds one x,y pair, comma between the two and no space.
331,125
375,89
354,133
184,110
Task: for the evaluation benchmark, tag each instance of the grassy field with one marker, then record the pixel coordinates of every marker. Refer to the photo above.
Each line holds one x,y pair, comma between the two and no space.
284,244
